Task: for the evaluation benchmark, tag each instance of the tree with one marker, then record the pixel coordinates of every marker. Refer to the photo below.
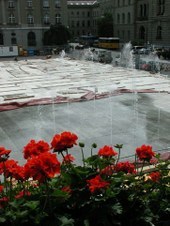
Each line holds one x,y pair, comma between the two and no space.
105,26
56,35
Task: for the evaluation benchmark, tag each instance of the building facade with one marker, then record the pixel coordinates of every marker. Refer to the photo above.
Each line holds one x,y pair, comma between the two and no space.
159,23
23,22
82,17
124,20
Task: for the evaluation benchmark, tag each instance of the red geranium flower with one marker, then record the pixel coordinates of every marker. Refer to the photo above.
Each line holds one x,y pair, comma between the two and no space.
67,189
97,183
41,167
108,170
22,194
145,152
63,141
155,176
18,173
107,151
4,153
34,148
8,167
1,188
68,159
125,167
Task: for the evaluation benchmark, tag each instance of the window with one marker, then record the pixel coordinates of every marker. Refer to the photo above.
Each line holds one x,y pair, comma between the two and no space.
123,34
11,4
142,33
72,23
58,18
29,4
83,23
45,4
30,19
160,7
11,18
118,18
13,41
78,23
141,10
144,10
129,20
128,35
57,3
1,39
159,32
31,39
13,38
46,19
11,49
123,18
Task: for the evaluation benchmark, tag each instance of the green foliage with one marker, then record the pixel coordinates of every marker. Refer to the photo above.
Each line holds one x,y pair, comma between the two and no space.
94,193
56,35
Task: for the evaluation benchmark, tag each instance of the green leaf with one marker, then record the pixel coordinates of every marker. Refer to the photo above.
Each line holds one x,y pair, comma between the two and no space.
66,221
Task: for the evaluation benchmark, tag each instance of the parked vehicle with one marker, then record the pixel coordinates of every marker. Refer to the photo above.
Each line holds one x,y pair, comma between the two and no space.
111,43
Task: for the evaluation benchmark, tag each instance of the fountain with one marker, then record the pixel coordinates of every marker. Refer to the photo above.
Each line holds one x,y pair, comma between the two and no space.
116,112
62,54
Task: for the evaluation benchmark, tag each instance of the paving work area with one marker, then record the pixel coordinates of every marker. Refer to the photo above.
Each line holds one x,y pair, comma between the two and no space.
99,102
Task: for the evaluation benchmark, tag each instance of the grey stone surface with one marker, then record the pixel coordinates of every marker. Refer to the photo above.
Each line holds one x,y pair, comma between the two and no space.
130,119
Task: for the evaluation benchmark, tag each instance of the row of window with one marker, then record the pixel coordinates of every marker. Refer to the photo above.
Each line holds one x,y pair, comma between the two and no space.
160,7
30,19
12,3
31,39
123,2
122,18
80,23
142,33
83,13
143,10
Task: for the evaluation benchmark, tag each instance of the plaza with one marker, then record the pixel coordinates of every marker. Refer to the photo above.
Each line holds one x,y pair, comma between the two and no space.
101,103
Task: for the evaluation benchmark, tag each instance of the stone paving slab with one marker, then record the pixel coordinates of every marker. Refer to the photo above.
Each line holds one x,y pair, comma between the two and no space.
39,78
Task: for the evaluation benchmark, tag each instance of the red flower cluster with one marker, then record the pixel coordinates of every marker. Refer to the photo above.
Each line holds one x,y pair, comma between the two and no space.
97,183
108,170
4,153
43,166
107,151
155,176
10,168
125,167
34,148
68,159
67,189
145,153
63,141
1,188
22,194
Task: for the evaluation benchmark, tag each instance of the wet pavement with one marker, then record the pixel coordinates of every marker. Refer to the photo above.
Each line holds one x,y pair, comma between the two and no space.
139,115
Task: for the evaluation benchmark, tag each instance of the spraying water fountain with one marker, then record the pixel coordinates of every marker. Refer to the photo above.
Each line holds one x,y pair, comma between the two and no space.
99,102
62,54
